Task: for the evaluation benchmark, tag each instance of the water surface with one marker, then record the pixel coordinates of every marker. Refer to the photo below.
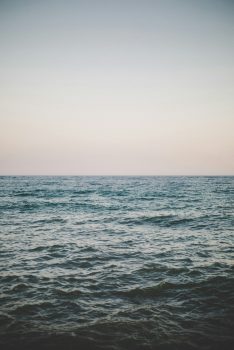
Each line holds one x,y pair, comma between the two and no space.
116,263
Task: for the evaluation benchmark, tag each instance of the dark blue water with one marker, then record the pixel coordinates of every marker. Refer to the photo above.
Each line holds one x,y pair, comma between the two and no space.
116,263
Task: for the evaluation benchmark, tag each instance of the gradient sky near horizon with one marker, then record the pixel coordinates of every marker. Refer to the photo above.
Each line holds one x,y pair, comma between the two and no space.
103,87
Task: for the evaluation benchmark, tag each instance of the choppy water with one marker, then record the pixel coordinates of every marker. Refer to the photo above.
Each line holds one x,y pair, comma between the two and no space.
116,262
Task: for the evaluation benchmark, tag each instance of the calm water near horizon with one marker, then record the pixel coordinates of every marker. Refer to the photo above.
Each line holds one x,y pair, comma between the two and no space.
116,263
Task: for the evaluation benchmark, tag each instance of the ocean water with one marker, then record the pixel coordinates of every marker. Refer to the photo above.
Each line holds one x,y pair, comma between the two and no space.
116,263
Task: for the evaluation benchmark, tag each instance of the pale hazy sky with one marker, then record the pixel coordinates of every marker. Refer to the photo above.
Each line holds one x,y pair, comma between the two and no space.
117,87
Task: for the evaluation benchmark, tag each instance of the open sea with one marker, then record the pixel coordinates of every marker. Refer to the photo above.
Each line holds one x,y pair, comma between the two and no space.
116,263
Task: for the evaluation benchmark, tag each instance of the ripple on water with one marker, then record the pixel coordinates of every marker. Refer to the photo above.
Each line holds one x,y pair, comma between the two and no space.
116,263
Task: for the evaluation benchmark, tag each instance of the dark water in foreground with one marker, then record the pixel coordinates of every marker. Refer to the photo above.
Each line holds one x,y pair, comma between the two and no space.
116,263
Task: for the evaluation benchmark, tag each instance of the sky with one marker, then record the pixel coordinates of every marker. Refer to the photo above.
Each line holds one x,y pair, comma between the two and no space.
116,87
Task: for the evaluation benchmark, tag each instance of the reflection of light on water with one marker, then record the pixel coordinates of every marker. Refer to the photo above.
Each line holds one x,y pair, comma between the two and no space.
81,256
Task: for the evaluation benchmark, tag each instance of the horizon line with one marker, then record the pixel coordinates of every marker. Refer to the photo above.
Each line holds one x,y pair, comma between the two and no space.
116,175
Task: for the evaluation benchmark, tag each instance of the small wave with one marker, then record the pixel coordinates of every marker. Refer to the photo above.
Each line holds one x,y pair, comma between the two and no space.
167,221
147,219
52,220
151,268
80,192
181,221
213,285
68,293
87,205
5,319
147,198
150,291
30,193
156,219
39,249
9,278
49,248
88,250
19,287
23,194
31,308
